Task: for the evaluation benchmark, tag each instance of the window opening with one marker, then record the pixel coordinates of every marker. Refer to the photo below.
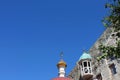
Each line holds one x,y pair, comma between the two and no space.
99,77
85,64
89,64
86,70
113,69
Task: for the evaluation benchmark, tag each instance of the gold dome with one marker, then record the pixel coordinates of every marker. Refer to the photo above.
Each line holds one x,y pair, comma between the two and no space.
61,63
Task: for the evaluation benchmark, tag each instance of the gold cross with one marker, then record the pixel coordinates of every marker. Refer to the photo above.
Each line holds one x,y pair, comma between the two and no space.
61,55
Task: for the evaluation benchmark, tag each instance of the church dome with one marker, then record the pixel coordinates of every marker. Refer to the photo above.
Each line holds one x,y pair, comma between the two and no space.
85,55
61,63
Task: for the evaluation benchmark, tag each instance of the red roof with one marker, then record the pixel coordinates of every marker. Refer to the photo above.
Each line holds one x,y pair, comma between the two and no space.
61,78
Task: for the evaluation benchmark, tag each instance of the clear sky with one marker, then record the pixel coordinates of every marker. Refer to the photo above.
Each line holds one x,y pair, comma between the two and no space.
34,32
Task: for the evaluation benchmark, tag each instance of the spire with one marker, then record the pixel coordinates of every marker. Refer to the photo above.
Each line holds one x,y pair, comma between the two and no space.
61,66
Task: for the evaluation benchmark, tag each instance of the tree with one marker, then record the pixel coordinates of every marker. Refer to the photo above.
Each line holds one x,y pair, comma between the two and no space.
112,20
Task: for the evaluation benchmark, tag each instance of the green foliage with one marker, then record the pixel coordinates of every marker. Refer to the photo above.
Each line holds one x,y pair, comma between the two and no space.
109,51
103,56
113,19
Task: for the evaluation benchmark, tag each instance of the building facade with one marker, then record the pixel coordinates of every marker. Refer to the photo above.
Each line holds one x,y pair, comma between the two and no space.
88,68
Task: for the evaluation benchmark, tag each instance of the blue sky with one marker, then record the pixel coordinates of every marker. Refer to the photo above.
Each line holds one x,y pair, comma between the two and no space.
34,32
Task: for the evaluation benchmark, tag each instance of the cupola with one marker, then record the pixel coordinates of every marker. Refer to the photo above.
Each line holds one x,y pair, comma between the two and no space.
61,65
85,65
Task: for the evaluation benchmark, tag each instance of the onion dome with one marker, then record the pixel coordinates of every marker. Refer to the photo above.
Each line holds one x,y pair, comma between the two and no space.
85,55
61,70
61,63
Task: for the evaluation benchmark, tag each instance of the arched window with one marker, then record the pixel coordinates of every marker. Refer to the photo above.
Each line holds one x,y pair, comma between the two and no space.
85,64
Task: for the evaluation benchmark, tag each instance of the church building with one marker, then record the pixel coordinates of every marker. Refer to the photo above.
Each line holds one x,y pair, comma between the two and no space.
88,67
61,68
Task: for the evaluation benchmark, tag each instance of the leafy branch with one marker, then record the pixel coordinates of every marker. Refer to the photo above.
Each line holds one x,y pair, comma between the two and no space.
112,20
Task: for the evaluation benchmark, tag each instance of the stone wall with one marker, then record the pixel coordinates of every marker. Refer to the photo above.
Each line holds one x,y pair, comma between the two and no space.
75,73
103,67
